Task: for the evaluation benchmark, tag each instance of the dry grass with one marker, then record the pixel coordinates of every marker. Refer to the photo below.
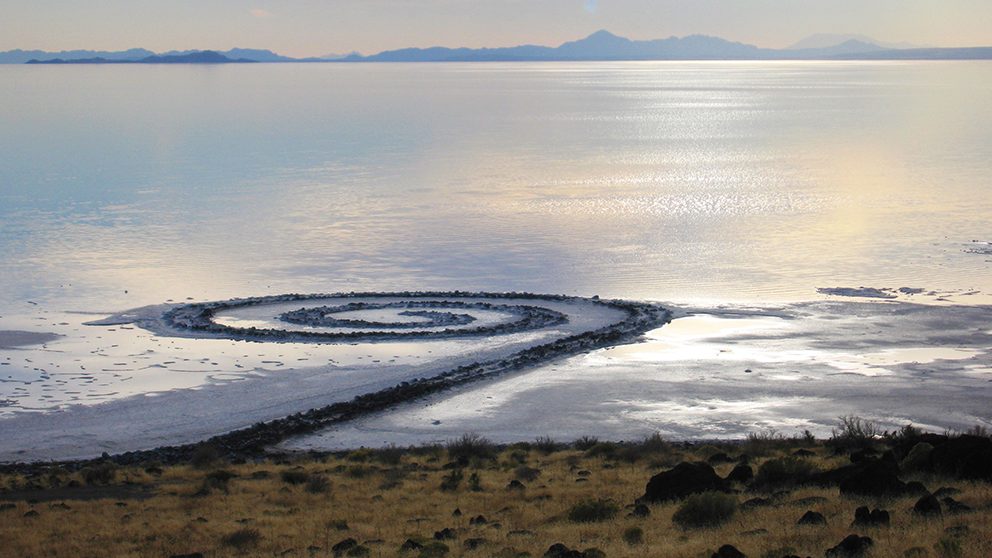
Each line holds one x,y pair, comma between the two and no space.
383,502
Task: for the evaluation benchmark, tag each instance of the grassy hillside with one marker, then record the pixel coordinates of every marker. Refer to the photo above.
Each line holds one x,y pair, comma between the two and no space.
471,498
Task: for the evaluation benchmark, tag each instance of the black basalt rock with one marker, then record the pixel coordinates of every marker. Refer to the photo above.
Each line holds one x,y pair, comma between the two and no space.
681,481
874,478
728,551
964,457
741,473
953,506
927,506
874,518
812,518
853,546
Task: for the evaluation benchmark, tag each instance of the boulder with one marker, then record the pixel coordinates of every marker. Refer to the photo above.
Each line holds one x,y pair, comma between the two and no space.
445,534
927,506
873,518
559,550
964,457
874,478
812,518
918,458
640,510
853,546
728,551
344,546
953,506
681,481
741,473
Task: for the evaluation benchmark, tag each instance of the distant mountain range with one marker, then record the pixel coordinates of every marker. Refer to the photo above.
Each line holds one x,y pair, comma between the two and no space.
601,45
197,57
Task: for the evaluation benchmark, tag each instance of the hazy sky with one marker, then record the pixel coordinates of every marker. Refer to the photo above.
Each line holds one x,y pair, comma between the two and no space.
314,27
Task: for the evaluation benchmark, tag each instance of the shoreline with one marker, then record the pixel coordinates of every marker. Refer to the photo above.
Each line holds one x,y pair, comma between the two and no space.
255,440
828,324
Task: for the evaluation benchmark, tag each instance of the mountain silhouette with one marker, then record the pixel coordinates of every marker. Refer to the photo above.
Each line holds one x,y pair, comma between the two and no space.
601,45
198,57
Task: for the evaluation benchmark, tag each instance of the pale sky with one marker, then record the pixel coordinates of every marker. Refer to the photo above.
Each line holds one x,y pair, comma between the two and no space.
317,27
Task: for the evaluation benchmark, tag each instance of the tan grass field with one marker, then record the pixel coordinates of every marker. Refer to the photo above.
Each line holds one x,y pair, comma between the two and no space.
382,499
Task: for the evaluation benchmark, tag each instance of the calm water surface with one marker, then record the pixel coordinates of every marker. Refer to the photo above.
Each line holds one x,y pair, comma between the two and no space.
678,181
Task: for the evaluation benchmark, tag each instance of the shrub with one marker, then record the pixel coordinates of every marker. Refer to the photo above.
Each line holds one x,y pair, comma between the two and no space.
918,458
855,432
978,430
948,548
294,477
434,549
217,480
318,484
361,455
588,511
451,481
545,444
475,482
653,445
204,456
708,509
603,449
471,446
519,456
389,455
783,472
633,536
242,539
101,473
525,473
908,432
359,471
585,442
760,443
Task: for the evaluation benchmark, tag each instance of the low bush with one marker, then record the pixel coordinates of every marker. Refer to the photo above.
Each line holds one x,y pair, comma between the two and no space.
204,456
318,484
855,433
452,480
389,455
294,476
471,446
242,539
475,482
585,442
603,449
218,480
526,474
709,509
783,472
546,445
101,473
633,536
588,511
651,446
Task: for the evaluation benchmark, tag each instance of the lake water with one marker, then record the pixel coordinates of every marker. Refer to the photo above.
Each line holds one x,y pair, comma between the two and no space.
735,183
677,181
